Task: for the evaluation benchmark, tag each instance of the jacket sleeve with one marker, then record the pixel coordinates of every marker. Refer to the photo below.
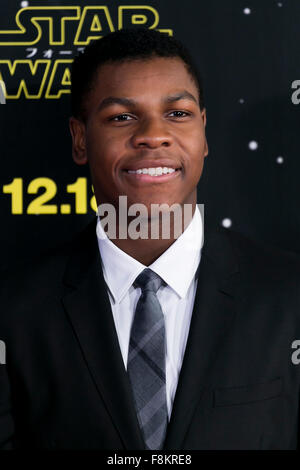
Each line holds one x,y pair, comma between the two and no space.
6,418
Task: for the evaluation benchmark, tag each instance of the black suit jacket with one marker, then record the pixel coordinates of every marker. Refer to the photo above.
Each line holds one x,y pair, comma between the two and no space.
64,384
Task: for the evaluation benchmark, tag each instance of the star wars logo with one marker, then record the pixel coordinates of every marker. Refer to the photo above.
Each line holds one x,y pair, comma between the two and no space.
50,34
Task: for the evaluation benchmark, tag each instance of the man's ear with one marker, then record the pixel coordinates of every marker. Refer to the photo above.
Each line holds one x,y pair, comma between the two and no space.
77,129
203,114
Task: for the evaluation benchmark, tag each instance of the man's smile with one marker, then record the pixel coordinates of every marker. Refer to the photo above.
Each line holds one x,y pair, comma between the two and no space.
147,176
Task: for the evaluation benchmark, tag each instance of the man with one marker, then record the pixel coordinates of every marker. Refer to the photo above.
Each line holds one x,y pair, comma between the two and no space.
149,343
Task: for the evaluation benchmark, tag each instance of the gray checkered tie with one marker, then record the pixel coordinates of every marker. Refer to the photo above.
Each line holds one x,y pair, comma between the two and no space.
146,361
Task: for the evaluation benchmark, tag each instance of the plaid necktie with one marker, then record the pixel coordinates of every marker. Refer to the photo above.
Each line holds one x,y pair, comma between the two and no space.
146,361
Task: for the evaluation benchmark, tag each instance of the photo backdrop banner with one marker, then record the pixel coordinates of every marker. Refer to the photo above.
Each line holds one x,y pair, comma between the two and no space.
248,55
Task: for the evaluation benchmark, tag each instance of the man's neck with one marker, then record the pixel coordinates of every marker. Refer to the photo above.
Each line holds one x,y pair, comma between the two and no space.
147,250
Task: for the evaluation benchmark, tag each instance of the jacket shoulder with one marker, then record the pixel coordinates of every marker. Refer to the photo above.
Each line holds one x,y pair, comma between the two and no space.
261,257
27,286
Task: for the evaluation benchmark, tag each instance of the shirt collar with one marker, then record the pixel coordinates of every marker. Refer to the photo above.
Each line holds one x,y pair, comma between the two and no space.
120,269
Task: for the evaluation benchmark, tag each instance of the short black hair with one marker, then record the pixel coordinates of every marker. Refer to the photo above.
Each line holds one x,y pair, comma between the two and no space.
120,46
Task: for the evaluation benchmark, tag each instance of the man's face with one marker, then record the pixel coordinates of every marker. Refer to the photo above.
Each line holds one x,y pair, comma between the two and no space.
142,114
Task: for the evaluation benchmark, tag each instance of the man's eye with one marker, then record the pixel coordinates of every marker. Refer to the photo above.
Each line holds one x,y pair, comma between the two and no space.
121,118
179,113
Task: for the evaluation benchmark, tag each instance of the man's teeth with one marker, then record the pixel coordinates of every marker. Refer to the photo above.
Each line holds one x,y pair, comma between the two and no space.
153,171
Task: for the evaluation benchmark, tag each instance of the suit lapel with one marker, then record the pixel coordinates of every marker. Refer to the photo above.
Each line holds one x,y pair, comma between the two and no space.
87,304
213,313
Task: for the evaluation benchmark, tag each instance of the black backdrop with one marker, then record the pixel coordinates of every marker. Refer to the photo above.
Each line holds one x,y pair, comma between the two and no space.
248,54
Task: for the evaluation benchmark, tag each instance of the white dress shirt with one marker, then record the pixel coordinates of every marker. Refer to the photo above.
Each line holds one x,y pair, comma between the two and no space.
177,266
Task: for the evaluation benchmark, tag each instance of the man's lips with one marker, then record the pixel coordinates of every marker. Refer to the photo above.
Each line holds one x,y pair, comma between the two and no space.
151,166
154,163
146,178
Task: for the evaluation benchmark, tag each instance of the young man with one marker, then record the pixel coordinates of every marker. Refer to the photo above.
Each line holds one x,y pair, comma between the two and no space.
149,343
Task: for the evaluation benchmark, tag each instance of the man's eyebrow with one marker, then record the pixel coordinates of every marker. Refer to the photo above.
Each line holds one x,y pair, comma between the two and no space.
181,96
111,100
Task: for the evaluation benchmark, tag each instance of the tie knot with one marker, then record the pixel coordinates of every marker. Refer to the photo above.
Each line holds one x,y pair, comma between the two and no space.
148,280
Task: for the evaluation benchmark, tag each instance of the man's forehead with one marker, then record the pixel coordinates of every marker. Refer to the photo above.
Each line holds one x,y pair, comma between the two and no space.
170,74
143,61
142,69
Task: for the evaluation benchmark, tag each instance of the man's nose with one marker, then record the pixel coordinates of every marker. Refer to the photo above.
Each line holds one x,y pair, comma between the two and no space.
152,133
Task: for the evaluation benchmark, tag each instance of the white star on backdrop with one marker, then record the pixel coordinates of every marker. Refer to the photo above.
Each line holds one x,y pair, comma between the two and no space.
227,222
253,145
